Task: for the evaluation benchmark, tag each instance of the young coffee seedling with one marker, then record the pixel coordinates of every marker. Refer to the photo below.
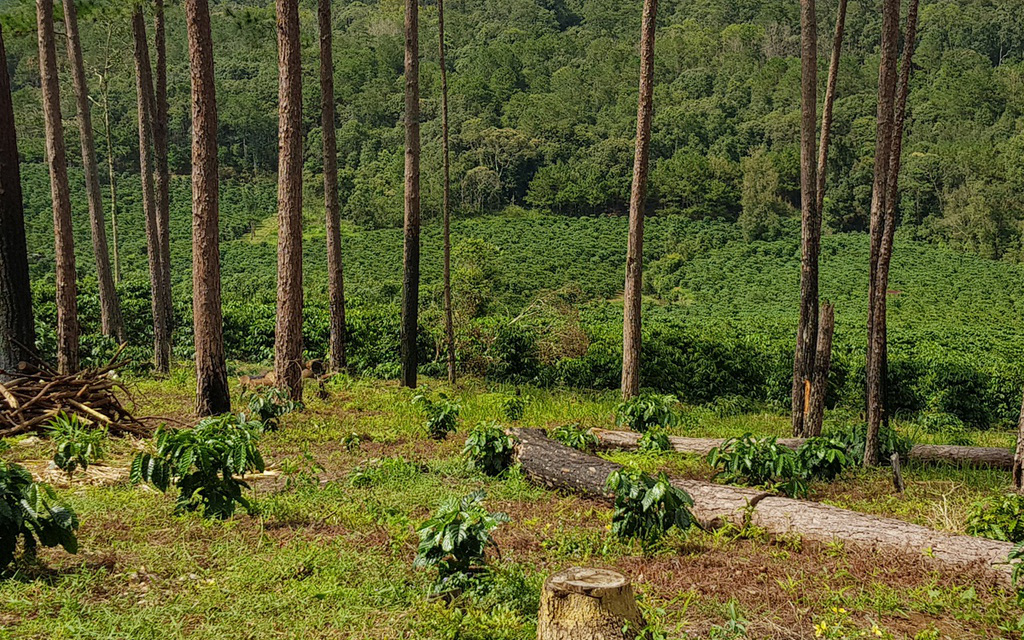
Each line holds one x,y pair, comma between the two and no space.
456,539
77,444
488,448
513,407
646,508
646,411
998,517
822,458
759,462
655,439
442,415
269,405
203,462
576,436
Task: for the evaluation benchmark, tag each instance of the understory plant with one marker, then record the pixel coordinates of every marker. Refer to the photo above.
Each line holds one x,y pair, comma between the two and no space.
513,407
647,410
489,449
855,436
31,514
269,405
759,462
822,458
576,436
202,463
1016,560
655,439
442,414
455,540
77,444
646,508
998,517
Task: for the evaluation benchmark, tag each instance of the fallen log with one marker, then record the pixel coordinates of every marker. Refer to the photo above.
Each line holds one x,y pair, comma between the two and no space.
556,466
994,457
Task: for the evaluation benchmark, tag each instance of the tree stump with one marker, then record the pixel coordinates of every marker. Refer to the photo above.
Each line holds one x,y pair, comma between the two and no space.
588,604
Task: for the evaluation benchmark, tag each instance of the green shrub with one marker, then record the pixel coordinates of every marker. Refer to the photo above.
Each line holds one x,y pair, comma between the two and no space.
998,517
576,436
268,406
645,411
759,462
78,444
488,448
646,508
854,437
655,439
948,426
1016,560
202,463
822,458
456,539
31,514
382,471
513,407
442,415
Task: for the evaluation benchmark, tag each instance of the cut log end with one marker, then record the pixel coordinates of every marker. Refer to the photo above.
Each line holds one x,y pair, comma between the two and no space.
583,603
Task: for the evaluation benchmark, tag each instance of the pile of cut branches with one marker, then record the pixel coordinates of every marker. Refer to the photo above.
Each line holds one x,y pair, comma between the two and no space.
35,394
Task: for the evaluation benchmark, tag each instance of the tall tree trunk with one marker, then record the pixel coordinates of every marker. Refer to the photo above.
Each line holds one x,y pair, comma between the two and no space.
880,337
807,330
105,90
633,293
449,323
288,341
1018,457
411,252
56,156
17,325
883,146
335,273
830,100
162,176
815,413
110,307
212,395
144,89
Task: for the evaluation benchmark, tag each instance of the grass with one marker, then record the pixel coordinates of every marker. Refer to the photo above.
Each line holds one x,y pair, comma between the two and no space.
322,558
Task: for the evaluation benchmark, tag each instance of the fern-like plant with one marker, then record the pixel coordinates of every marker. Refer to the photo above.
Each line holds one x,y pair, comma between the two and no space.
202,463
456,538
645,411
489,449
647,508
442,414
77,444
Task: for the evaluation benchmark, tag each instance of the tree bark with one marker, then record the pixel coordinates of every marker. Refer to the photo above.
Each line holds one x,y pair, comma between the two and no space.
827,107
162,177
449,322
807,329
587,604
633,293
144,89
212,394
883,148
288,342
335,274
411,251
110,308
556,466
17,325
1018,456
815,415
56,156
105,90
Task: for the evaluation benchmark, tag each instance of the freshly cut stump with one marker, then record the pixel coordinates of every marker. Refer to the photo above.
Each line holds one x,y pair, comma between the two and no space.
588,604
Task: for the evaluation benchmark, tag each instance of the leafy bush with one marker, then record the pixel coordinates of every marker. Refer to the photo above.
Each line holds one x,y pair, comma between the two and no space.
654,439
442,415
513,407
947,425
998,517
203,462
822,458
78,444
576,436
488,448
646,508
645,411
30,513
759,462
854,438
456,539
268,406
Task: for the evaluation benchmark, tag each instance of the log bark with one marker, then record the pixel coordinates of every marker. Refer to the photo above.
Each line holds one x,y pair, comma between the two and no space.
332,208
56,157
588,604
810,234
449,322
815,415
1018,456
411,227
633,293
145,100
17,324
111,321
556,466
162,177
288,340
212,394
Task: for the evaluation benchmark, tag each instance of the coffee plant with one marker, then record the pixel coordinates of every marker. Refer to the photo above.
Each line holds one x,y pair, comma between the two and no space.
442,414
576,436
268,406
489,449
759,462
655,439
456,539
998,517
646,411
513,407
647,508
854,437
822,458
77,444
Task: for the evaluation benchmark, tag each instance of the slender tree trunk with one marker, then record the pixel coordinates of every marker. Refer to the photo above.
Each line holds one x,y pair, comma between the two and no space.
411,253
815,414
880,337
883,146
56,156
807,331
162,176
212,395
449,323
1018,457
335,273
633,292
105,90
826,112
17,325
110,307
144,88
288,342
